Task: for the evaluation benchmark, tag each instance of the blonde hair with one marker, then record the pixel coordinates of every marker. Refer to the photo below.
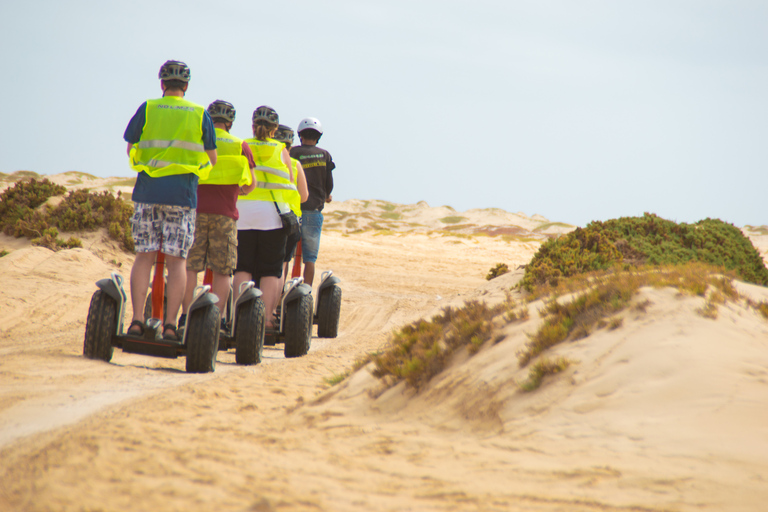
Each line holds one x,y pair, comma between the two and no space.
263,130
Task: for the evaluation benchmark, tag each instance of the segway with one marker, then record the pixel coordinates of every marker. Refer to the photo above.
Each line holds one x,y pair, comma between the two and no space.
328,306
104,327
244,323
294,319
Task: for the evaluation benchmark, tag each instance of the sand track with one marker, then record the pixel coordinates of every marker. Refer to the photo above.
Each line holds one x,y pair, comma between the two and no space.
663,414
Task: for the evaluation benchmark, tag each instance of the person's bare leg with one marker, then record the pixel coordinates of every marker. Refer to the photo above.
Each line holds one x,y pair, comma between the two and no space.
176,286
270,294
284,278
140,273
220,288
189,290
309,272
239,279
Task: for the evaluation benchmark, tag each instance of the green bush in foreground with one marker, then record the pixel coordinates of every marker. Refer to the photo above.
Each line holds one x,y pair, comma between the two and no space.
636,241
21,215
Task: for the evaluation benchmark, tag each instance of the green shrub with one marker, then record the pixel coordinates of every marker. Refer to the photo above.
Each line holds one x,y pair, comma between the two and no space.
499,270
20,215
634,241
20,201
454,219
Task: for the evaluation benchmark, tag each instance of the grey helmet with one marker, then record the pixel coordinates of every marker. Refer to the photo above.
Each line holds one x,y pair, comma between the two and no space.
265,113
222,109
174,70
284,134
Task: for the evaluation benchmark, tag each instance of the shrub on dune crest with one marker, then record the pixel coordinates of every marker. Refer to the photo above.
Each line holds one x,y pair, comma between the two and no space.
634,241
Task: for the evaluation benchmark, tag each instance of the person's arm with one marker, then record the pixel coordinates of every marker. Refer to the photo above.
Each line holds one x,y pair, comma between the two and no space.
135,127
209,137
247,153
302,182
329,167
287,161
212,155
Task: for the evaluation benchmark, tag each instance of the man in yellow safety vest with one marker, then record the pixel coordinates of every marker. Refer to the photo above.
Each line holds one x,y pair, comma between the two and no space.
171,144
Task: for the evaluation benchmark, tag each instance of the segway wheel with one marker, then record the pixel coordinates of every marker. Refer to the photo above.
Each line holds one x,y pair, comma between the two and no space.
298,326
202,338
100,327
148,307
328,312
249,332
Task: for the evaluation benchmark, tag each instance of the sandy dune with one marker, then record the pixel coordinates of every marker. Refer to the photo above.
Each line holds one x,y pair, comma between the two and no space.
666,412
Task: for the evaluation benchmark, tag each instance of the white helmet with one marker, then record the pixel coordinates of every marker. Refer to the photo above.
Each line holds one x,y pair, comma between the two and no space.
310,122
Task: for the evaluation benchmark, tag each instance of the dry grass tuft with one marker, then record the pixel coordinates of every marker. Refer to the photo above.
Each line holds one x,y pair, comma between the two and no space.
541,369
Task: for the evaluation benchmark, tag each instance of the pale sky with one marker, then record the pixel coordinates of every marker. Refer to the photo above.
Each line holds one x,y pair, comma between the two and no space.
577,110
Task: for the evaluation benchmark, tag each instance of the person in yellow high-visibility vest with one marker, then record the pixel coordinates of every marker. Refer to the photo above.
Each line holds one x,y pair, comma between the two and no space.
215,244
260,233
171,143
285,135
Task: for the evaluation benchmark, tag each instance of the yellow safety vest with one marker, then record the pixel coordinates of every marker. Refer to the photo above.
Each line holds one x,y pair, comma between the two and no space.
292,197
231,166
171,140
272,176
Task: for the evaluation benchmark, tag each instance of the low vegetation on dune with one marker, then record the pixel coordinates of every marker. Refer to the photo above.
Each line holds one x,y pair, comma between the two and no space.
602,269
600,297
630,242
422,349
25,212
499,270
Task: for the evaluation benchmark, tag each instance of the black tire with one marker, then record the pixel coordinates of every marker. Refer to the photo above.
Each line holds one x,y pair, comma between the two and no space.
148,308
298,326
202,339
100,327
249,332
328,312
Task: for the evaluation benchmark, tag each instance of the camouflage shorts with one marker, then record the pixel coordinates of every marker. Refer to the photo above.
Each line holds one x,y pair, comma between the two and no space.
215,244
158,227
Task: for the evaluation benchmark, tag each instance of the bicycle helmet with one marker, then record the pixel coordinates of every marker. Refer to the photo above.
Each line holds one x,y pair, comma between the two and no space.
284,134
174,70
265,113
222,109
312,123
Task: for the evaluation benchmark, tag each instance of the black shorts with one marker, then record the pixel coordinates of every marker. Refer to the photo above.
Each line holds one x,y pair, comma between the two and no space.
290,245
261,253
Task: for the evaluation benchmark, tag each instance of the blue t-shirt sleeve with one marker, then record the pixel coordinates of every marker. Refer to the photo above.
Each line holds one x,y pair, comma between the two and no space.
136,125
209,131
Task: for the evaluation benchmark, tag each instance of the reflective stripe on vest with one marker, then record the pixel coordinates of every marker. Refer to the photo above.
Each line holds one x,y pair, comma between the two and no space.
274,179
191,146
171,139
231,166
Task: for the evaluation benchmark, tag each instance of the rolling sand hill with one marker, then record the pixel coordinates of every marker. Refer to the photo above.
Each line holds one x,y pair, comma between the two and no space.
665,413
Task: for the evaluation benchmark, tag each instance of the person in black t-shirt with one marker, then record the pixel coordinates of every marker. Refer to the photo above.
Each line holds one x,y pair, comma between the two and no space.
318,166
